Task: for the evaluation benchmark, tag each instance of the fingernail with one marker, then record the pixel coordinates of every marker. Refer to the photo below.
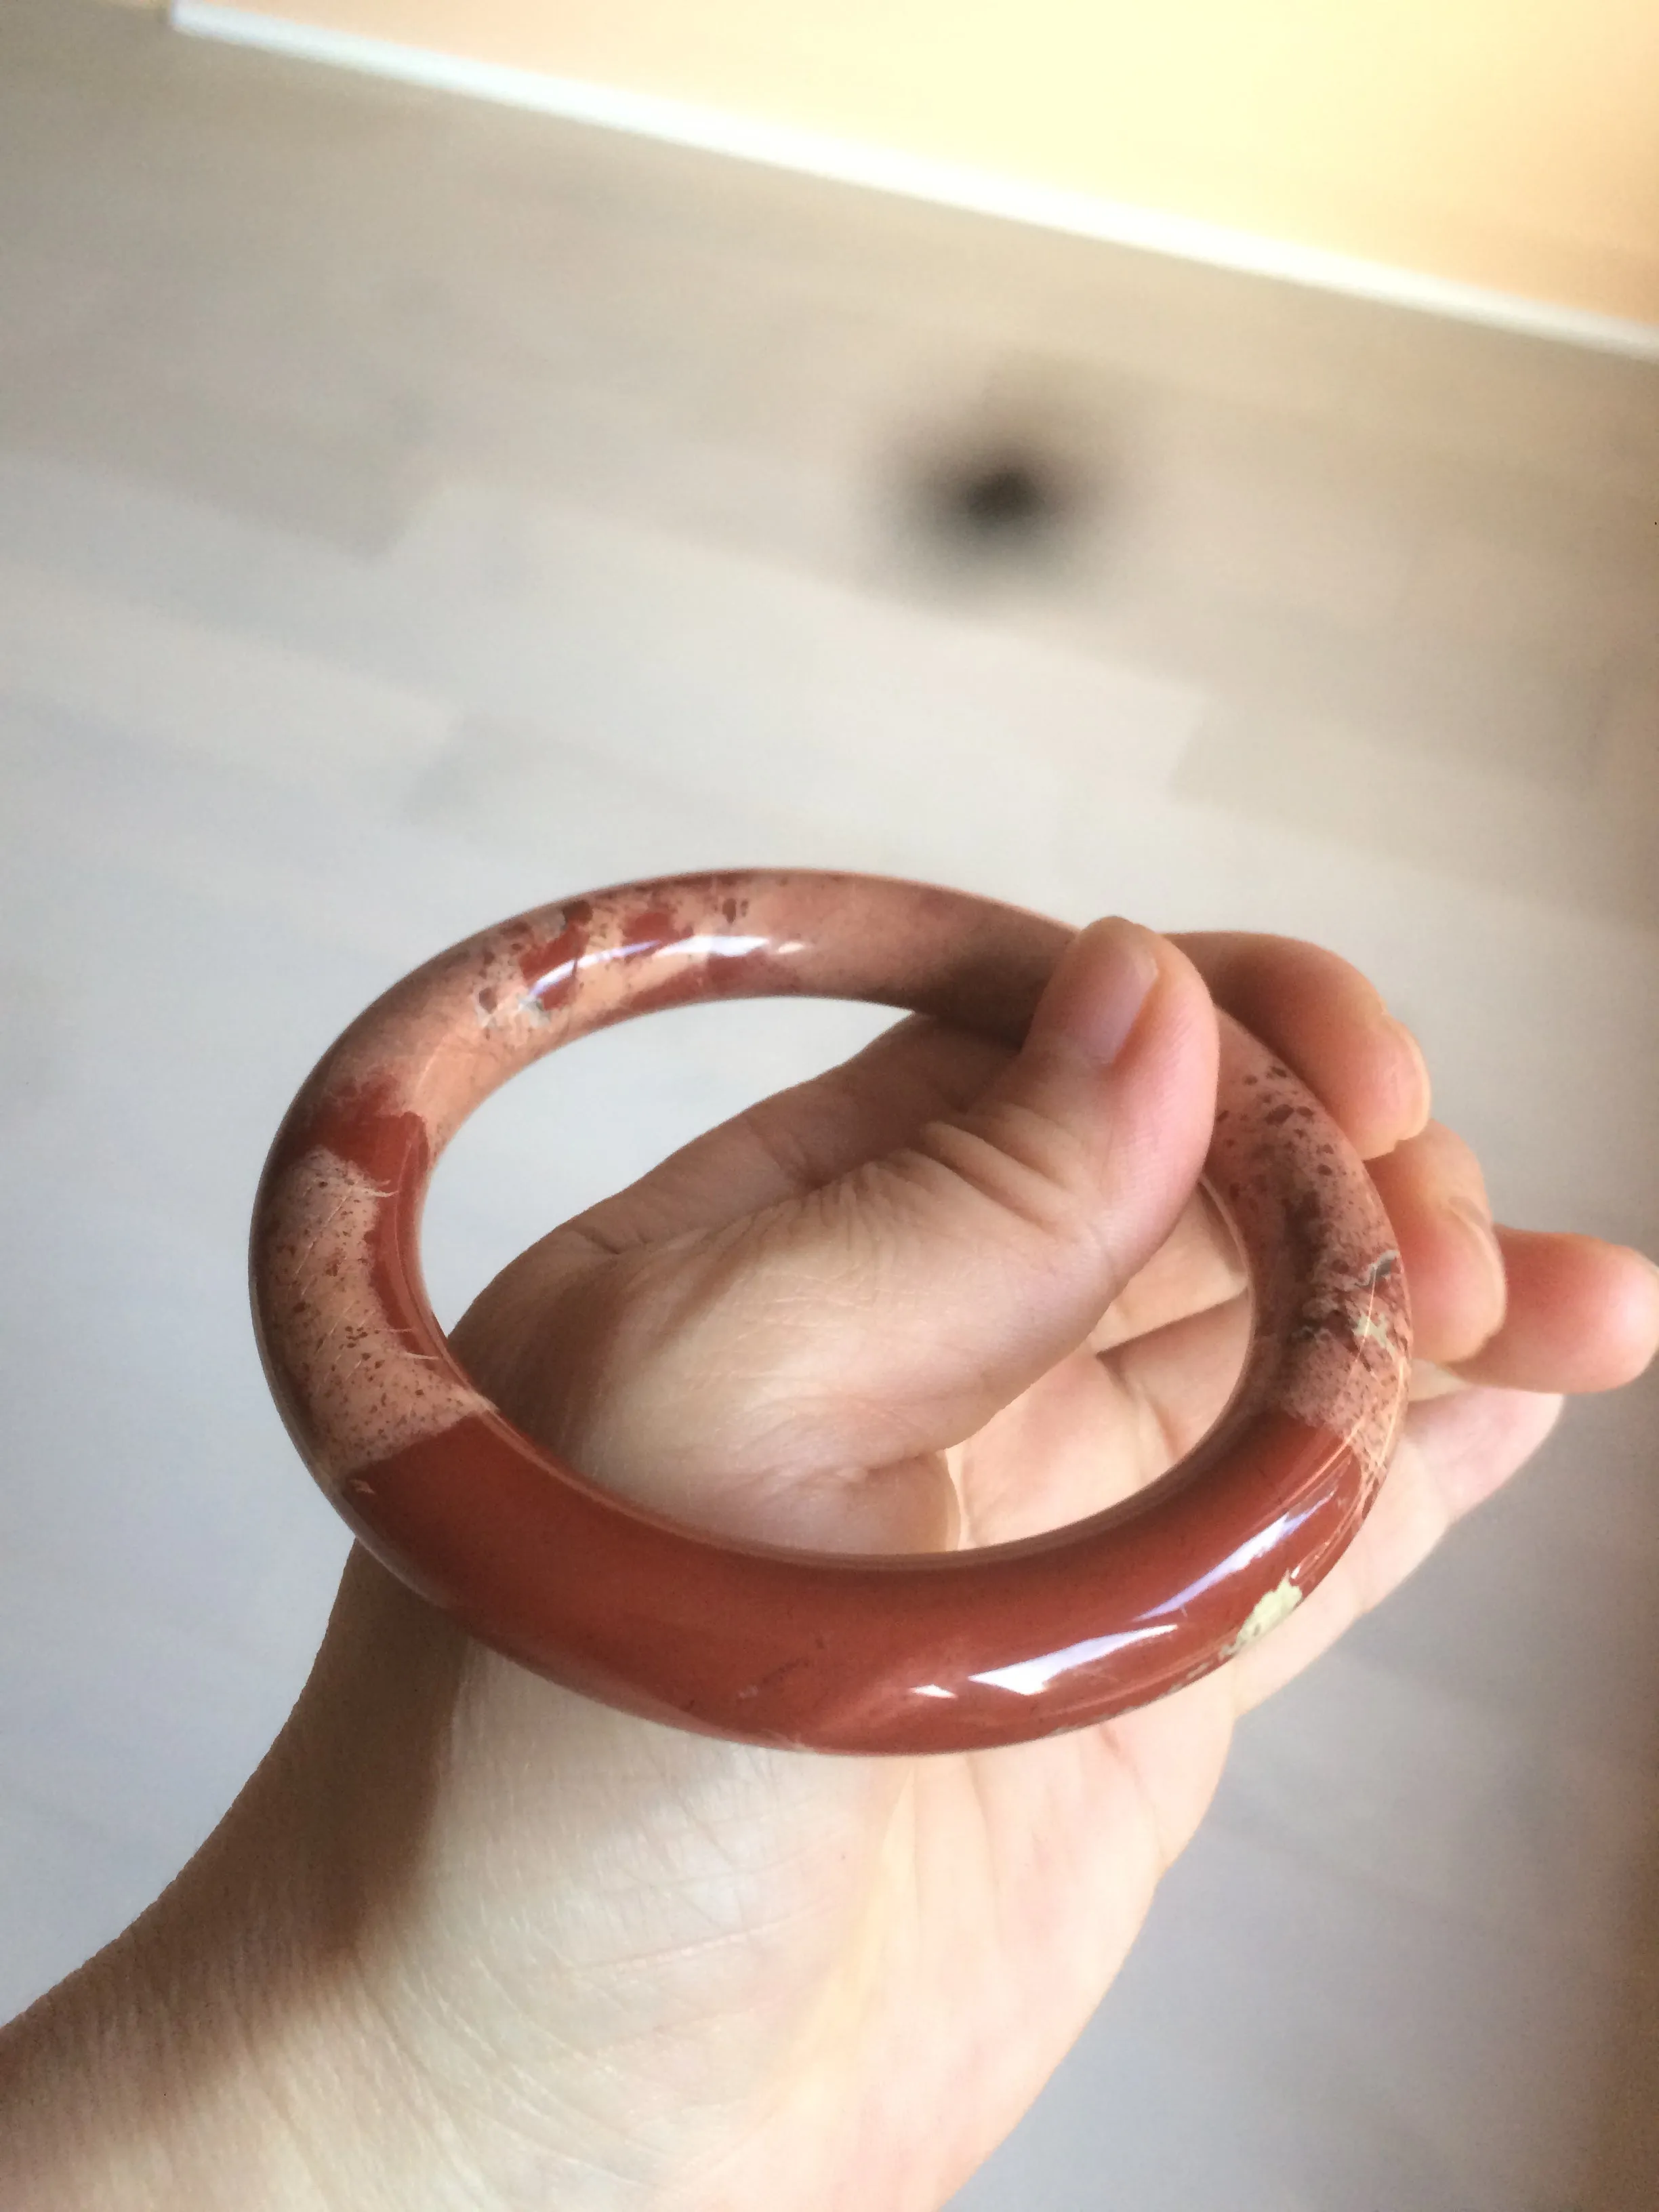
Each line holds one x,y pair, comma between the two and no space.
1481,1237
1430,1380
1416,1113
1095,994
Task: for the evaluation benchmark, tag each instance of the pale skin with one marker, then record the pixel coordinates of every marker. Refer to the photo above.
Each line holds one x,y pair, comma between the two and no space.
466,1940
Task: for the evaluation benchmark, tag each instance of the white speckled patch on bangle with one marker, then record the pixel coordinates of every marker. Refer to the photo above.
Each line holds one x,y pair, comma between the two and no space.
1347,1334
370,1393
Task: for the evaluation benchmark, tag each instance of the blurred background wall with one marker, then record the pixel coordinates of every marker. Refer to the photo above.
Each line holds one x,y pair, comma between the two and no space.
411,509
1515,148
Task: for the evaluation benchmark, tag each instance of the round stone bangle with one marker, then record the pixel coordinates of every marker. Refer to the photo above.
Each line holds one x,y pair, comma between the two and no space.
833,1651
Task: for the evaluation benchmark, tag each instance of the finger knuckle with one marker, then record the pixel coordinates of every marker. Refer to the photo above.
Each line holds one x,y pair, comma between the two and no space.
1029,1167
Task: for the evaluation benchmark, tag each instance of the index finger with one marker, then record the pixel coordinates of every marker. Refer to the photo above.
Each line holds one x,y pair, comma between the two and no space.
1327,1021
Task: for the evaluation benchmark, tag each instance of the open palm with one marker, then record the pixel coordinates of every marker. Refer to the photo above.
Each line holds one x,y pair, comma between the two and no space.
939,1296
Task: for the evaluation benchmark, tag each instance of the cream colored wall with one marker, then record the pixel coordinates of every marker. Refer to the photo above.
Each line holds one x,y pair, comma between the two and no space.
1509,144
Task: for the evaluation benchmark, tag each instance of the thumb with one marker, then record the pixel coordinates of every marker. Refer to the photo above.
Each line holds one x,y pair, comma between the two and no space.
798,1374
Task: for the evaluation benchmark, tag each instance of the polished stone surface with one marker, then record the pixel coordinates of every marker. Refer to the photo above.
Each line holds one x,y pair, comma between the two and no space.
411,512
960,1651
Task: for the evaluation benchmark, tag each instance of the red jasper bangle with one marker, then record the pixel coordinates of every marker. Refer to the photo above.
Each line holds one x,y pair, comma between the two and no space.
825,1652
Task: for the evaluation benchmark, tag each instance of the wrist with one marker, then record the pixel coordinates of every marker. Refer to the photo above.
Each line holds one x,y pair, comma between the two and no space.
192,2064
228,2053
404,1971
266,2037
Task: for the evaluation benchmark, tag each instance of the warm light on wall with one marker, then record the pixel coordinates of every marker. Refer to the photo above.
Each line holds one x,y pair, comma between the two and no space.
1515,148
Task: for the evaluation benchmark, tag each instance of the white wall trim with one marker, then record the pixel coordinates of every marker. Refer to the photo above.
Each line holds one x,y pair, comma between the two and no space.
915,176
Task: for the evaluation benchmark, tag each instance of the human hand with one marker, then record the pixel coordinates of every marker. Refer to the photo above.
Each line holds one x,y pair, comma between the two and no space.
516,1948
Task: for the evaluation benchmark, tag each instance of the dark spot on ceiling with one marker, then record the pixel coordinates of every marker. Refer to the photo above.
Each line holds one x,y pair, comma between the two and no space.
1006,500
